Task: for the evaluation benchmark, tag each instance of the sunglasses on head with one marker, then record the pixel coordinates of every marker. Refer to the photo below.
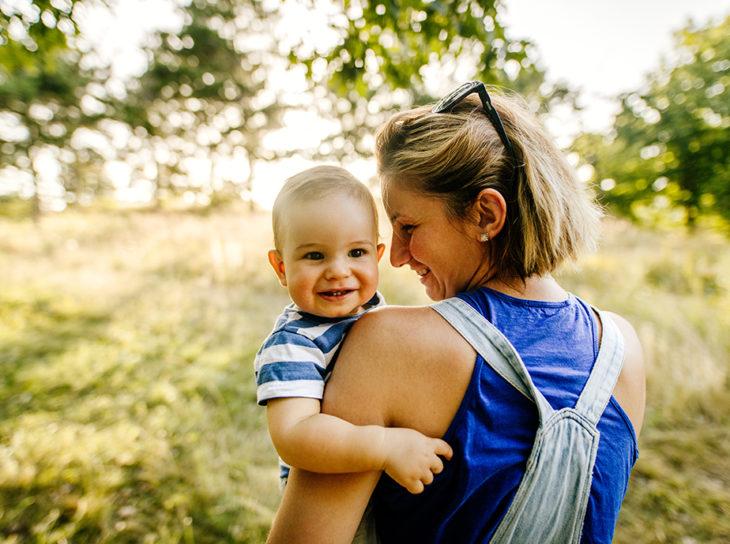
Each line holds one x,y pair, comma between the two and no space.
460,93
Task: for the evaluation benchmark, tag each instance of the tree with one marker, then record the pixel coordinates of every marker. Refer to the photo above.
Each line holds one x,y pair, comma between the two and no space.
667,157
195,121
385,52
202,99
45,93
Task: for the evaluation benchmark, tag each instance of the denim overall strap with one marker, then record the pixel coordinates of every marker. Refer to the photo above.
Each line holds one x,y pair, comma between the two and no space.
599,387
494,348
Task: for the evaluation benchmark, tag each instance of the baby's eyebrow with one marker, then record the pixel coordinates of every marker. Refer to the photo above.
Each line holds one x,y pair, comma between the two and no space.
307,246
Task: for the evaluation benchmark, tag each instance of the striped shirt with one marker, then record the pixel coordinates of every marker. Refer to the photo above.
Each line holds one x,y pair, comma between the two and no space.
295,359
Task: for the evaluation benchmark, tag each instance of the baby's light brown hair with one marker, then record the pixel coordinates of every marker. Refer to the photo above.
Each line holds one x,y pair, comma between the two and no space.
315,183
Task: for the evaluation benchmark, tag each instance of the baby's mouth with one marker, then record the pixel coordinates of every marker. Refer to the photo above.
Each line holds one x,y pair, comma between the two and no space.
336,293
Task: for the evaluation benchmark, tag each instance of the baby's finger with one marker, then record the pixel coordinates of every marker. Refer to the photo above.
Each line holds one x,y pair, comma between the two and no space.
437,465
427,477
416,487
442,448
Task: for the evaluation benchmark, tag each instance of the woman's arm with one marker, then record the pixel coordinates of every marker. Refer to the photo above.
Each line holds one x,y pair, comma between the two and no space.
322,508
390,372
630,390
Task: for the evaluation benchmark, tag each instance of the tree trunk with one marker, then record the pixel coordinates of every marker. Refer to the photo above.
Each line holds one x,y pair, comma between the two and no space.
248,184
35,209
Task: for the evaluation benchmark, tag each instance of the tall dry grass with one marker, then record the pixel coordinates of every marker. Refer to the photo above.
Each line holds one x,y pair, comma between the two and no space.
128,401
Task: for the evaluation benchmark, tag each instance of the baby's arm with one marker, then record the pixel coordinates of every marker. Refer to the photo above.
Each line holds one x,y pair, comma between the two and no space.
310,440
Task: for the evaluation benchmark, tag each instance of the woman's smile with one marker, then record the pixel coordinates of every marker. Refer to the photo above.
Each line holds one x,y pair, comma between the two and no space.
442,251
422,274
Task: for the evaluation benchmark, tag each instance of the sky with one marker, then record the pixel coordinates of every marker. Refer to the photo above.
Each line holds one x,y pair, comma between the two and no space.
604,48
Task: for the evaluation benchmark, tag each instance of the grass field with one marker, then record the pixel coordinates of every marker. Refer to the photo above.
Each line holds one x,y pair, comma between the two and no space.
127,393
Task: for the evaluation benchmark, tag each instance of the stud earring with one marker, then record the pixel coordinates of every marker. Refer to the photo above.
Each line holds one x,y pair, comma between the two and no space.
484,237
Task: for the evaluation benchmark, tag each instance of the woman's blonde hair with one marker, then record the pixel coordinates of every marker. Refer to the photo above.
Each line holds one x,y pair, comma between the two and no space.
454,156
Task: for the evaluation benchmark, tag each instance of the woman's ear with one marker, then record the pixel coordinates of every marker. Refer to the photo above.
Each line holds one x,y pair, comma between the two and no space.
489,212
277,263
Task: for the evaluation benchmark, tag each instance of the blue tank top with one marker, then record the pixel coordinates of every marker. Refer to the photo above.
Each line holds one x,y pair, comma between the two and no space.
493,432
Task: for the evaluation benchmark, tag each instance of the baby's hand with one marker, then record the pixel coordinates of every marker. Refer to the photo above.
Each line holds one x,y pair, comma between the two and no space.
412,458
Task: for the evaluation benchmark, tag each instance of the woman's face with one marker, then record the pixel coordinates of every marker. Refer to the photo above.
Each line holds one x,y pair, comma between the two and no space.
445,253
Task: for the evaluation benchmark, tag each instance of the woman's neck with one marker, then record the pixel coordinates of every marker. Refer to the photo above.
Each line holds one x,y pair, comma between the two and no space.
543,288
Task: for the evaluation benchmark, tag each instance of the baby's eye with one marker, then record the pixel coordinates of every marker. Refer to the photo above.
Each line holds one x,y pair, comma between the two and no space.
359,252
313,256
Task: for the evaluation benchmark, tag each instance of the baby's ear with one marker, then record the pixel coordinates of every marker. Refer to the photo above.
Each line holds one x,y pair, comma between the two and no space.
381,250
277,263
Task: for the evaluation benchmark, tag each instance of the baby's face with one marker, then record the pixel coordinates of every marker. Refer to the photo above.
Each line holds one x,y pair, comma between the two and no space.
329,255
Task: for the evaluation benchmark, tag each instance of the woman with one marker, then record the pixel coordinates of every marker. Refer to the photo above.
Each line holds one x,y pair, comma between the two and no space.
483,208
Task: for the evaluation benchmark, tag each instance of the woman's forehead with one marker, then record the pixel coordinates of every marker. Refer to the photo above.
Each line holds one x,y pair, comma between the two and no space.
400,201
395,196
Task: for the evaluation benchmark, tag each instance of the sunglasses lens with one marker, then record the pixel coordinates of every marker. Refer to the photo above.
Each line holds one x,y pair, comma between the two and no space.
455,96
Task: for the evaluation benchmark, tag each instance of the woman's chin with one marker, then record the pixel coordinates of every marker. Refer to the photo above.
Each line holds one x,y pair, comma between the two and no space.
435,293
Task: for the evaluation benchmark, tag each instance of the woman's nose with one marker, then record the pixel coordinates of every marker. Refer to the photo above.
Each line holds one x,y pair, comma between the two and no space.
399,254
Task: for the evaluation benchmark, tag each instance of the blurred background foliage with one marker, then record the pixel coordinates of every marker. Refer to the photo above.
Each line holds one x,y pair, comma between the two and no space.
208,91
126,338
667,159
197,119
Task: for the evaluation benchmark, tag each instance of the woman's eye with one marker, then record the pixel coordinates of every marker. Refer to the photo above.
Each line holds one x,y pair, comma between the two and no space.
314,256
358,252
407,229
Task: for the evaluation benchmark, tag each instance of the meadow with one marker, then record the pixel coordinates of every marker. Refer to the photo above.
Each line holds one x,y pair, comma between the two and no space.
127,398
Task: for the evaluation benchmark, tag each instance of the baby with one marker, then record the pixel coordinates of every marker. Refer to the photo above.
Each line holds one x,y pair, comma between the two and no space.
327,253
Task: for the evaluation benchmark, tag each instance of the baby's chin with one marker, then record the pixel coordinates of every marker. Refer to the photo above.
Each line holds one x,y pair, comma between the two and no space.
334,311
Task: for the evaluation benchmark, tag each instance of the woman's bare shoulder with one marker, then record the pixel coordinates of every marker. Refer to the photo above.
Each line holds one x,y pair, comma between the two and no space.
410,336
407,362
403,321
